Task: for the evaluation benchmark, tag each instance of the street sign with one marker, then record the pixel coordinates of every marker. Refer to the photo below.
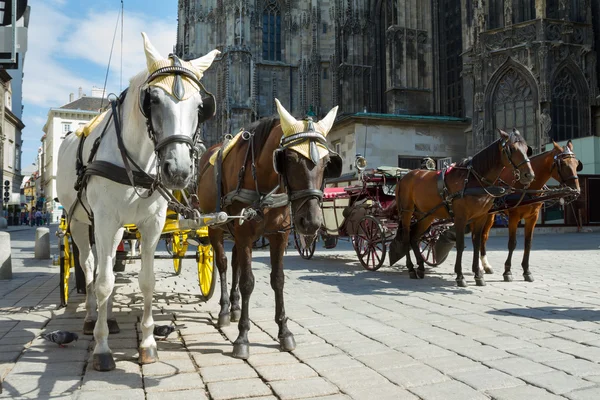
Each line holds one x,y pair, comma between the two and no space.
6,11
443,163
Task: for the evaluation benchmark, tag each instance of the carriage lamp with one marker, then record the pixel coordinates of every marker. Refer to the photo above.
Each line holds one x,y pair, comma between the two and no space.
360,163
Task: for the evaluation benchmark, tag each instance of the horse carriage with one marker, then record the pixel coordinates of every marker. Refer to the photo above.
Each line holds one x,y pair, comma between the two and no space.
177,241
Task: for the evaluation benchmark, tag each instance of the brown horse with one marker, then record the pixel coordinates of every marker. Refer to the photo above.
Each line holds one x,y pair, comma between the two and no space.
559,163
273,164
460,195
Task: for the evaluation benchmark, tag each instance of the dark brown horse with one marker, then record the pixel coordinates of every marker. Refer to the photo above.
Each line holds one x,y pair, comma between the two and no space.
559,163
463,198
291,160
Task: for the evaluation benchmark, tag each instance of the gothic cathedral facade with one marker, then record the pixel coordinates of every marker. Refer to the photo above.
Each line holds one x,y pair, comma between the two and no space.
527,64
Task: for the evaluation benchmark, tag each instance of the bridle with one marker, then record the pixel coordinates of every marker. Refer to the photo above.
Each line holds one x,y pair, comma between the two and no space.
508,152
332,168
558,160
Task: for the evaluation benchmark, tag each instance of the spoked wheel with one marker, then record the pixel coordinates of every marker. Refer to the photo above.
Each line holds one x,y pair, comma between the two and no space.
427,248
207,273
369,244
67,261
180,245
305,249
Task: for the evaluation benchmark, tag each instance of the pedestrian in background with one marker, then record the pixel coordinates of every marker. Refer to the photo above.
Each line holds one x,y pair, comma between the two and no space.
38,218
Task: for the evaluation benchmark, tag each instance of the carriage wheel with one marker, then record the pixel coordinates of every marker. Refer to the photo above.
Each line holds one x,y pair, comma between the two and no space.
66,262
369,243
427,247
180,245
305,250
207,273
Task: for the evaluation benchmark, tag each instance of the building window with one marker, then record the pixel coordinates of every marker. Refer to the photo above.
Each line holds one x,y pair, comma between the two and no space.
577,11
496,14
324,27
337,146
523,10
409,162
514,106
565,108
272,31
66,127
450,58
325,73
17,158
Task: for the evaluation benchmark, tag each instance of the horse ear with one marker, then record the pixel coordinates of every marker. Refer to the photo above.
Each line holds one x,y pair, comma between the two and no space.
204,62
152,55
503,134
327,122
557,146
570,145
287,120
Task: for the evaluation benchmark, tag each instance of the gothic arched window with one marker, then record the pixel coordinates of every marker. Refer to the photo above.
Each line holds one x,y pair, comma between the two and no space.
565,108
514,106
272,31
523,10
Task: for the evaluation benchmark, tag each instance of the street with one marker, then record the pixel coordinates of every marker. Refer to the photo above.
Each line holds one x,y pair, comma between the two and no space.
359,334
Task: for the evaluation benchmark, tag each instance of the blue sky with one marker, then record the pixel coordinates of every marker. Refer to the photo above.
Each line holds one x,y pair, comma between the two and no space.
69,45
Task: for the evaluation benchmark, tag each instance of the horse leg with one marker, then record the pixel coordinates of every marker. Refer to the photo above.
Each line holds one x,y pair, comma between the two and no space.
476,234
513,223
459,226
417,232
216,240
80,235
485,234
406,216
234,296
278,243
529,226
241,346
150,231
106,248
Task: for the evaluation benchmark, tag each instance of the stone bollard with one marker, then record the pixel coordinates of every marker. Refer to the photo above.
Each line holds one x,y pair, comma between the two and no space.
42,243
5,256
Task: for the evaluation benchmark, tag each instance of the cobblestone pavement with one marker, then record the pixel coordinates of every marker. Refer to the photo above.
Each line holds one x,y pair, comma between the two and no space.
360,335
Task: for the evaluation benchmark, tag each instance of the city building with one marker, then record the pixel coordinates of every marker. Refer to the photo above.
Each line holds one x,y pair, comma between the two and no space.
62,120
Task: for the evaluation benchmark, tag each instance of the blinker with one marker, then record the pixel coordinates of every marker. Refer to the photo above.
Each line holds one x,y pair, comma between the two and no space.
314,151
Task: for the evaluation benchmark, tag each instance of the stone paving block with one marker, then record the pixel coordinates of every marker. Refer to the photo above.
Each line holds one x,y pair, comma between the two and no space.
36,369
355,377
220,373
161,383
303,388
483,379
557,343
523,392
449,390
332,397
234,389
426,351
548,327
272,359
315,350
585,394
505,342
384,391
217,358
586,352
577,367
307,339
414,375
454,363
122,394
9,357
336,362
389,359
557,382
111,380
483,353
14,387
195,394
540,355
271,373
517,366
169,367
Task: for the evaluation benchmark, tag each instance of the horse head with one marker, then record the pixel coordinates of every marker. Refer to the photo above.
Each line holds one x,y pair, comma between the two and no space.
566,166
304,161
515,155
175,104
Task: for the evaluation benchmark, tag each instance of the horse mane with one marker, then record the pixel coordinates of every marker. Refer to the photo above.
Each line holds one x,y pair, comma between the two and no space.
261,129
489,157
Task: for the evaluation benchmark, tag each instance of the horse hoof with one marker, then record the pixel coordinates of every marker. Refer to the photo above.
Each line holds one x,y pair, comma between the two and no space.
528,277
236,315
241,350
420,273
488,270
88,327
287,343
480,282
461,283
224,320
412,274
148,355
113,326
103,362
508,278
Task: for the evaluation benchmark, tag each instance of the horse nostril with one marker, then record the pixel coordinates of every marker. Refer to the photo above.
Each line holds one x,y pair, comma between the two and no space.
167,168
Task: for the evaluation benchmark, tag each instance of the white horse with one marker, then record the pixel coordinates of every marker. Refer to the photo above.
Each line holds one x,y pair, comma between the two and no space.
156,133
